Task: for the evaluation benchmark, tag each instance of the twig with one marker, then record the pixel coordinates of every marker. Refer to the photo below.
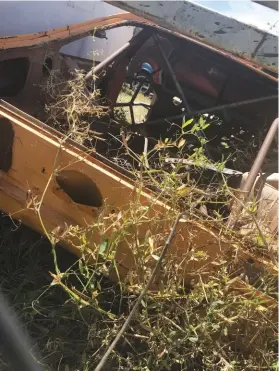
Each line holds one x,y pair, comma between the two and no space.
143,293
244,207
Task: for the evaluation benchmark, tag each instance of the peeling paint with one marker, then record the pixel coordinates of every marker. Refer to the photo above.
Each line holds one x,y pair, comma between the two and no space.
220,32
186,18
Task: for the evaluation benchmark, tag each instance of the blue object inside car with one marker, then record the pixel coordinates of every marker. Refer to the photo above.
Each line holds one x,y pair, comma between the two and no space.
147,67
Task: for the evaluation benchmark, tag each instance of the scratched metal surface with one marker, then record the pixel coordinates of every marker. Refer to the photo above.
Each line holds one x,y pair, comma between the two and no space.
211,28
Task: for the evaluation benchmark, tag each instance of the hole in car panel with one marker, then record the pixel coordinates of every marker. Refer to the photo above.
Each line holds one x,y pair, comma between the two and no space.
47,66
80,188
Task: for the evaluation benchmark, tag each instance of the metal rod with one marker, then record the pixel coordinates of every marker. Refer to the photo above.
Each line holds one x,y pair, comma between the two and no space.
136,92
175,81
246,189
179,89
213,109
140,38
225,170
132,114
125,326
131,103
134,104
261,156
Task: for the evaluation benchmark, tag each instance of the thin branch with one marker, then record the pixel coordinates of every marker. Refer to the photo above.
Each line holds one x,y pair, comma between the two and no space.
143,293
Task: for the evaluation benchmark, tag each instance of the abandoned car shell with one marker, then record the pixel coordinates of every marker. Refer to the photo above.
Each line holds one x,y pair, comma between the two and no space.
55,186
217,76
242,92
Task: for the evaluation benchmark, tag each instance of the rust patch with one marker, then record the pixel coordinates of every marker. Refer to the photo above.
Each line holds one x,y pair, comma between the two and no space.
220,32
64,35
6,144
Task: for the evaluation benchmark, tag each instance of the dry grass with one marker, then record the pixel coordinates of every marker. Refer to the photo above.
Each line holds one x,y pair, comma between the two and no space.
208,327
72,105
75,312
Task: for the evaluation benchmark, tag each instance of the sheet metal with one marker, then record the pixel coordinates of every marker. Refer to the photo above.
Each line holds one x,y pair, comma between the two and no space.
64,35
209,27
32,176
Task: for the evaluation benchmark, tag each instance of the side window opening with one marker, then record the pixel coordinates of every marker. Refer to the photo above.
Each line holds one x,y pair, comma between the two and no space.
13,75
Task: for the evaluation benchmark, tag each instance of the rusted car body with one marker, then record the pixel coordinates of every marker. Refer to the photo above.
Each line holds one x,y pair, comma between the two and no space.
51,186
240,89
27,60
219,31
210,76
36,17
215,62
